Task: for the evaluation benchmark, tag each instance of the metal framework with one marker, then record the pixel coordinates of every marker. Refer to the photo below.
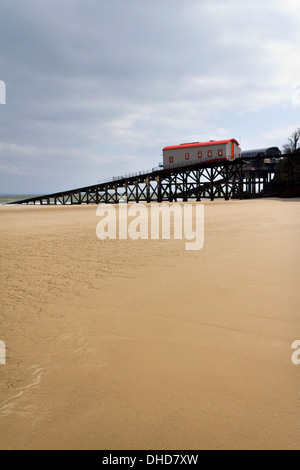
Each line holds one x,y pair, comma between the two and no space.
225,180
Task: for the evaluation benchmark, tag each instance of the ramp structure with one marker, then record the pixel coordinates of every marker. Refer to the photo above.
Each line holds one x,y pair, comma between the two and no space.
225,180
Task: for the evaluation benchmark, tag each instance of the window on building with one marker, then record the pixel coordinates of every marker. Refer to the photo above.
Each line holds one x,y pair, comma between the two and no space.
187,156
200,154
209,153
171,160
220,153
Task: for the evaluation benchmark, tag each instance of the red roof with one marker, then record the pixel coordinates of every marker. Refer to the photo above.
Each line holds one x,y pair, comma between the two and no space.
201,144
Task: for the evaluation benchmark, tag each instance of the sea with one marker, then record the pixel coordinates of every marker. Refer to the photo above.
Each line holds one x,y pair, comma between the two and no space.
7,198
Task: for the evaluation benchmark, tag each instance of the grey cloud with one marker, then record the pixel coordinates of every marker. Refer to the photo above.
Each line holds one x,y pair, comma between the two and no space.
98,87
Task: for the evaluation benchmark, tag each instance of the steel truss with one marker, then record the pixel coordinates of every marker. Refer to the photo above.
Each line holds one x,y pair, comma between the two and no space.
209,181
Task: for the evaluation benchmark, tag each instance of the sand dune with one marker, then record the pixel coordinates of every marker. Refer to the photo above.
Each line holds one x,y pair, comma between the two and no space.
143,345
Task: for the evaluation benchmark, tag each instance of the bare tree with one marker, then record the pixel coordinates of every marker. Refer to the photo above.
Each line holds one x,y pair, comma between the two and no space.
293,143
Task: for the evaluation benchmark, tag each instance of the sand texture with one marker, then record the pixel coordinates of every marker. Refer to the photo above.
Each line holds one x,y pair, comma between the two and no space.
143,345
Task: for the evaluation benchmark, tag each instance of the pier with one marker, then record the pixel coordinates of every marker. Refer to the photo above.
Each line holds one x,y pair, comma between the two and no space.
221,180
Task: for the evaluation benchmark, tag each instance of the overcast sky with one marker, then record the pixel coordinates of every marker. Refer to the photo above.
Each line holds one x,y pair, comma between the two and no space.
96,88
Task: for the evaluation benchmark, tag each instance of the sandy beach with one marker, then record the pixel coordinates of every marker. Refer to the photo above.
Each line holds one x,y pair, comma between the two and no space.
123,344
